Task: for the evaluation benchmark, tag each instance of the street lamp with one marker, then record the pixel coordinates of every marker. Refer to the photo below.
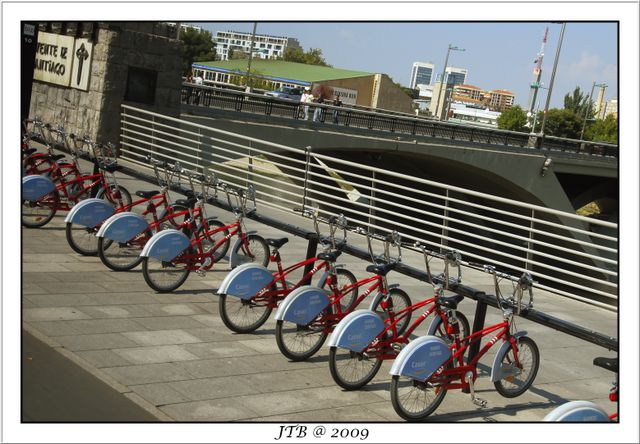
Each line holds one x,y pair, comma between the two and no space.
589,106
553,76
444,69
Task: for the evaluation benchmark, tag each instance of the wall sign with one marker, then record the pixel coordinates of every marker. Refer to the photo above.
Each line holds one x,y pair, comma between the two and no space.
54,58
81,64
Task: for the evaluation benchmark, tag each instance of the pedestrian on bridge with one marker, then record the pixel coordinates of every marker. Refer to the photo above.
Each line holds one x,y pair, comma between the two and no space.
306,97
317,114
336,102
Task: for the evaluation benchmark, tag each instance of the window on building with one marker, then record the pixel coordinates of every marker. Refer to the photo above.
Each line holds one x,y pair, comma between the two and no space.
141,85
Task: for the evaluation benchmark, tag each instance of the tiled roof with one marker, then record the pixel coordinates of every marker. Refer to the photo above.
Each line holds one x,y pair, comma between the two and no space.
283,70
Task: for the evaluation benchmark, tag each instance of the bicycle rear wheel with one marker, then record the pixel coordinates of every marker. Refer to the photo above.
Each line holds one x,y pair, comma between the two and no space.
39,213
243,315
81,239
518,379
165,277
416,400
352,370
254,250
122,256
300,342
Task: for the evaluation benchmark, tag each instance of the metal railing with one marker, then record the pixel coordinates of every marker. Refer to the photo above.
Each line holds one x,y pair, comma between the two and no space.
569,255
394,122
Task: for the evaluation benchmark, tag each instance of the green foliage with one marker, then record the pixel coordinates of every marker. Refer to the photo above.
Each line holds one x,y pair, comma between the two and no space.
578,103
312,57
603,130
197,46
513,119
563,123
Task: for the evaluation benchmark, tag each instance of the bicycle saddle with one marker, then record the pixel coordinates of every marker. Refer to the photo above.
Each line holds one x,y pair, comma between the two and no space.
610,364
29,151
146,194
331,257
450,301
190,202
381,269
277,243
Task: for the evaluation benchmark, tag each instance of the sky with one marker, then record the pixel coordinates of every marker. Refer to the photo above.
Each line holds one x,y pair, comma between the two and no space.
498,55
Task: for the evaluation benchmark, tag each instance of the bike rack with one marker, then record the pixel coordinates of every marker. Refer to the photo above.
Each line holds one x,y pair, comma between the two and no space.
482,299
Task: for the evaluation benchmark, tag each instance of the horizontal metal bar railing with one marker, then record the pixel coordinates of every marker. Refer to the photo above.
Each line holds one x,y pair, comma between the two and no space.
491,229
387,121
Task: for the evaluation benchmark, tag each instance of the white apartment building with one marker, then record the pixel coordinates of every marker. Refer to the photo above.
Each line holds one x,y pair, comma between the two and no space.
421,74
608,107
456,76
264,46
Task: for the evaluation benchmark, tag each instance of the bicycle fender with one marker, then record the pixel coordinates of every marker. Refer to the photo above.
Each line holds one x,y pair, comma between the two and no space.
357,330
123,227
245,281
303,305
496,369
378,297
36,187
433,326
165,245
577,411
234,259
421,358
90,212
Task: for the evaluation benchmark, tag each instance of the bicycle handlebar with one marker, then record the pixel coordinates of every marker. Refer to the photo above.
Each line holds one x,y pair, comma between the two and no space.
520,285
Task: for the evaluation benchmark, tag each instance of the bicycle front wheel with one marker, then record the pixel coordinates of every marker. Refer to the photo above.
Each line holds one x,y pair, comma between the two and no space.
400,300
255,249
122,256
164,277
352,370
300,342
81,239
115,195
416,400
345,278
463,328
243,315
211,237
39,213
518,376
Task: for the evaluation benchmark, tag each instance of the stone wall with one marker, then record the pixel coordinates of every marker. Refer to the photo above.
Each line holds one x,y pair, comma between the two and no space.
117,46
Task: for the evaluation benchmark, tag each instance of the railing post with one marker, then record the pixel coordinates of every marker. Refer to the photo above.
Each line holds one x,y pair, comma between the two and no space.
527,264
372,202
413,127
250,167
445,221
478,325
312,248
307,165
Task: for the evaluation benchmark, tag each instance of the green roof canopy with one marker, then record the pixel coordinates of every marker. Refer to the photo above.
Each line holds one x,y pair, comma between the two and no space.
285,70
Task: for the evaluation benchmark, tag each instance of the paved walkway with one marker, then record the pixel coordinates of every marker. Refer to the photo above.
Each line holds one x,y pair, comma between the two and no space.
172,355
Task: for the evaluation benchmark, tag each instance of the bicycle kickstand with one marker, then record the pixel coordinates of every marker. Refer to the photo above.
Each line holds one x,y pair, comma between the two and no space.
477,401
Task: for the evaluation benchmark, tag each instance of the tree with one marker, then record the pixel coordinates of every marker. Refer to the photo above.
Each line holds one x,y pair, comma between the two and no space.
578,103
603,130
312,57
563,123
513,119
197,46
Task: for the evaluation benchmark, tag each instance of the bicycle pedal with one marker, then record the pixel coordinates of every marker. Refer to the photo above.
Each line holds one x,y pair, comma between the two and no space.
479,402
397,347
201,273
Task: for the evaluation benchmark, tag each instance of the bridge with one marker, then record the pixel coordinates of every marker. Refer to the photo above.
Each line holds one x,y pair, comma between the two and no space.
557,173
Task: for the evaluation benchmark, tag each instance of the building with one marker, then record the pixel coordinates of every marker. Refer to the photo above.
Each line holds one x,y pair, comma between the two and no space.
421,74
468,94
264,46
473,115
500,99
374,90
609,107
455,76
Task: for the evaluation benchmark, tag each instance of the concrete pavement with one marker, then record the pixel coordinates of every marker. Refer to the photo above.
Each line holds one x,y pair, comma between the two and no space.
172,355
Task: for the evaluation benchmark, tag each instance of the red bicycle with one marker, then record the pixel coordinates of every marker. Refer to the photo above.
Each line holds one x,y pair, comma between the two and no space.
208,244
69,191
428,367
248,314
353,369
125,255
299,338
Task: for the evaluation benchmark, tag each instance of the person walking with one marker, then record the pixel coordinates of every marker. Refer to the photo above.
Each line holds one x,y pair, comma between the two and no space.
336,102
317,114
306,98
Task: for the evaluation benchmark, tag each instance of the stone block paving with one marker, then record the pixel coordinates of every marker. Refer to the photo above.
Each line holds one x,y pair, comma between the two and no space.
176,355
